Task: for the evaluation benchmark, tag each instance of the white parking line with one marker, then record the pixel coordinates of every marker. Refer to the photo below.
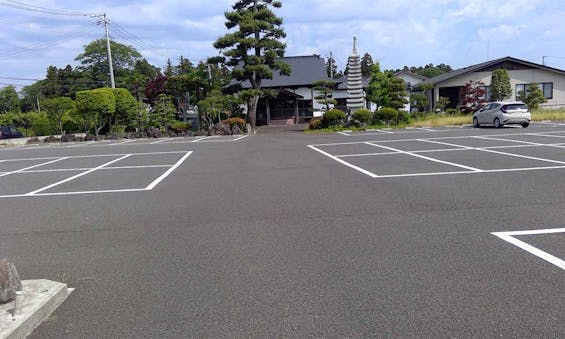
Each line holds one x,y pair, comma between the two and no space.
78,175
357,168
168,172
159,141
34,166
427,158
509,237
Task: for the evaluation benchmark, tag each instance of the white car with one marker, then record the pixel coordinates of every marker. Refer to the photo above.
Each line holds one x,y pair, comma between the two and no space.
499,114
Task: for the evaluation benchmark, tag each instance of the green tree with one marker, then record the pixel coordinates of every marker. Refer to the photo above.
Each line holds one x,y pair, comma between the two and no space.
396,91
97,106
377,90
126,107
385,89
57,108
331,68
162,113
366,64
533,96
9,100
94,61
419,101
500,88
142,73
442,103
254,48
31,97
325,88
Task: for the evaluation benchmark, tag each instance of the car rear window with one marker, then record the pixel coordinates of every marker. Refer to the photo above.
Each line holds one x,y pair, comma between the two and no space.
513,107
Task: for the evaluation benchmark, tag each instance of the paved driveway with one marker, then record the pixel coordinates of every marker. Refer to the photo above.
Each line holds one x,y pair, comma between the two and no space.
333,235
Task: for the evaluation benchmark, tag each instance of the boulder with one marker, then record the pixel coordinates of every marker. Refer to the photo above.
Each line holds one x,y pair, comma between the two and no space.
9,281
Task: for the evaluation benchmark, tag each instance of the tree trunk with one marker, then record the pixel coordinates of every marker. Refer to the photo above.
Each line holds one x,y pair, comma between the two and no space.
252,112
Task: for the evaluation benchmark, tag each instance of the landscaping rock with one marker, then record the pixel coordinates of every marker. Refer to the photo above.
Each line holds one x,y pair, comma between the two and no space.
9,281
34,140
90,137
69,138
154,132
51,139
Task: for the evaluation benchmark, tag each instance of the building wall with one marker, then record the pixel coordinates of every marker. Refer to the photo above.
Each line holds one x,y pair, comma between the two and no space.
516,77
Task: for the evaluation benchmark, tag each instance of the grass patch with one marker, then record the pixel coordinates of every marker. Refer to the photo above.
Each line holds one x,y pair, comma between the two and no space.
549,114
433,120
441,120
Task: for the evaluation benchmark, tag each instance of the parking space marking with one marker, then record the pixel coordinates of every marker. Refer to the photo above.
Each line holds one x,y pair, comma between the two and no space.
427,158
357,168
510,237
508,154
85,171
451,146
78,175
34,166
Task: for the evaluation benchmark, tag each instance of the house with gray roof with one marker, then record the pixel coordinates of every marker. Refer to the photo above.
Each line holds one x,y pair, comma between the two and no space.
521,72
293,99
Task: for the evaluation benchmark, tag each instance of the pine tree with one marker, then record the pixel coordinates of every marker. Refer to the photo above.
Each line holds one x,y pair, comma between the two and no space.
254,48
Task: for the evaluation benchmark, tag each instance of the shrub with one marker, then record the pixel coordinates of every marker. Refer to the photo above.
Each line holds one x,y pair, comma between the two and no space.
452,111
363,115
403,117
385,115
179,126
333,117
315,123
235,121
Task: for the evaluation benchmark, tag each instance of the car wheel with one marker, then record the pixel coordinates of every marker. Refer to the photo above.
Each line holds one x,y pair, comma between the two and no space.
497,123
476,123
525,124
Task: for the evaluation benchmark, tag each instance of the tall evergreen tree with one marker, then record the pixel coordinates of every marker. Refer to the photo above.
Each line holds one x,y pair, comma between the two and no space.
331,68
254,49
169,70
366,64
500,88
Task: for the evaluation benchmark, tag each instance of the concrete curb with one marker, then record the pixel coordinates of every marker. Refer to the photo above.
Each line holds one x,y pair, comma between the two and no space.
40,298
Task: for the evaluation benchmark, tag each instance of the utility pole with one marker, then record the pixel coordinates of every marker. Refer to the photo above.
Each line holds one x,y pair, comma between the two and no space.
108,49
543,59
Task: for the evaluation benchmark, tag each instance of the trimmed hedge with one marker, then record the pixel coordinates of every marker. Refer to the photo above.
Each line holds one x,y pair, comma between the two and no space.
333,118
385,115
363,115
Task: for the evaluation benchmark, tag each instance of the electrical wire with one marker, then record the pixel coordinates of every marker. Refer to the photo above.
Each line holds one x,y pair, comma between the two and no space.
33,8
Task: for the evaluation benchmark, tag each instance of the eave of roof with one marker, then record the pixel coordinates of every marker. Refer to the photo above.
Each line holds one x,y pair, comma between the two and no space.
469,69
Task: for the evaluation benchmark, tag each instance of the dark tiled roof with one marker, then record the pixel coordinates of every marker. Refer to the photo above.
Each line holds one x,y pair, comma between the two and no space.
474,68
304,71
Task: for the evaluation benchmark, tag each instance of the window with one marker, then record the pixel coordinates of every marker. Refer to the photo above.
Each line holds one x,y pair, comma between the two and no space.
520,91
546,89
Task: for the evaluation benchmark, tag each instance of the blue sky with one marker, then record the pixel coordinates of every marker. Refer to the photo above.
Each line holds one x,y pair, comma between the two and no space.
395,32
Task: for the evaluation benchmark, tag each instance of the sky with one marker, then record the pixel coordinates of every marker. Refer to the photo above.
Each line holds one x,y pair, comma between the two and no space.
396,33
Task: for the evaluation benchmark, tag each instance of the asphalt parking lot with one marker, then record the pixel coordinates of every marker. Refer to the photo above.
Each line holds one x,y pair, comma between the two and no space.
451,232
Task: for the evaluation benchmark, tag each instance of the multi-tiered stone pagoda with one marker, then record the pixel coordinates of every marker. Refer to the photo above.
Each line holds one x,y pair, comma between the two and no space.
355,95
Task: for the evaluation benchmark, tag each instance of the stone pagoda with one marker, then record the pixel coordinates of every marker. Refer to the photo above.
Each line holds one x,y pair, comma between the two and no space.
355,94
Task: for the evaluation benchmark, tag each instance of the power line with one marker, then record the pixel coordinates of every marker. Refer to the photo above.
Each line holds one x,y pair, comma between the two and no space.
33,8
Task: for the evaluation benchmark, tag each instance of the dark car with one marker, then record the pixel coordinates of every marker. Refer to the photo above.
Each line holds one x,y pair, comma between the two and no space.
9,132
